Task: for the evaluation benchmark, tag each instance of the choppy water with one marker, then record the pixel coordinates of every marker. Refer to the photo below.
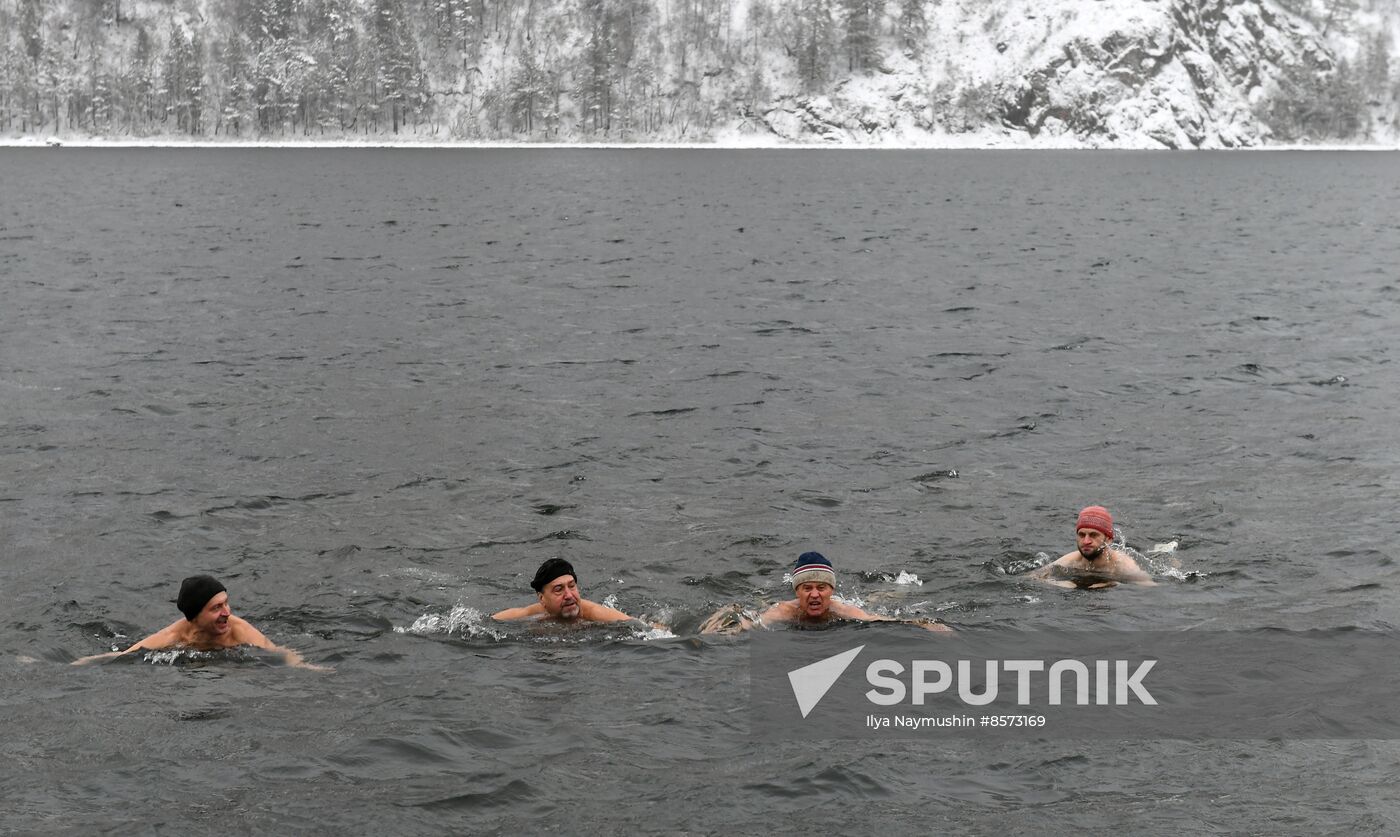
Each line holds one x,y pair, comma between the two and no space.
372,390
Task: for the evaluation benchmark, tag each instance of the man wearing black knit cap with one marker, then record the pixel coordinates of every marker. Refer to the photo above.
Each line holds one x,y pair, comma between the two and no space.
557,588
209,625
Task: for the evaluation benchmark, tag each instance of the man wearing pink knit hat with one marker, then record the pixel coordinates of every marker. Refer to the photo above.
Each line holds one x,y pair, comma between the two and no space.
1095,564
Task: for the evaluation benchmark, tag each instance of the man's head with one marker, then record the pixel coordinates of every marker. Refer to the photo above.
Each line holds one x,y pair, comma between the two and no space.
204,601
557,587
814,582
1093,531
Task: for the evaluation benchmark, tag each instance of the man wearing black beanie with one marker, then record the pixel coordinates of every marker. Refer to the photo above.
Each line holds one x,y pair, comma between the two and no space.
209,625
559,599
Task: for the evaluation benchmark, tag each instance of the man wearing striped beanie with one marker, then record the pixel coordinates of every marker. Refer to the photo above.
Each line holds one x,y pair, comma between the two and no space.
814,603
1094,564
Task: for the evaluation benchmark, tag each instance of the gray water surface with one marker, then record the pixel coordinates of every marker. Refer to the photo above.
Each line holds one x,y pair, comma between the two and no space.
373,389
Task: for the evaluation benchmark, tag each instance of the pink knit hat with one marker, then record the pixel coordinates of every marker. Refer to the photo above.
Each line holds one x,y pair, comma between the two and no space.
1096,518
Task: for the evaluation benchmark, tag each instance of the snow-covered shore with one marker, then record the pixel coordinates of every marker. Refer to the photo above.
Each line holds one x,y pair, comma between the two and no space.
962,142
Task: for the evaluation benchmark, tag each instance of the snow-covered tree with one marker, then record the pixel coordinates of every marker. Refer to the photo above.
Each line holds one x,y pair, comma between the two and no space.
861,18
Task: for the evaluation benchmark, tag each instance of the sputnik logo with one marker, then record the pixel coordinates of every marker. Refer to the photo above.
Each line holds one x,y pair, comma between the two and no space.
811,682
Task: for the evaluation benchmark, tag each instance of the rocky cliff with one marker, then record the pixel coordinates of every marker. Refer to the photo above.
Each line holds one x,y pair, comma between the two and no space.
1104,73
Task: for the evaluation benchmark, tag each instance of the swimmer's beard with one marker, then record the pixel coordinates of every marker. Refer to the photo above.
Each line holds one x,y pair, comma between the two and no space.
1094,554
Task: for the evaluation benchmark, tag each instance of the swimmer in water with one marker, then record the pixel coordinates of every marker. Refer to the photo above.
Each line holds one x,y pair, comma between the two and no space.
560,600
1094,565
209,625
814,586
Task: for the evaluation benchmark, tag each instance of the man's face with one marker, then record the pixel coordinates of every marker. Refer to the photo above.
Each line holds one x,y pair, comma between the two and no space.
213,619
1092,543
560,597
813,598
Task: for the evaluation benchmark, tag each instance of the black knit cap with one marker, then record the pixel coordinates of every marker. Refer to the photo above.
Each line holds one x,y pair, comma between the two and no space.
550,570
195,593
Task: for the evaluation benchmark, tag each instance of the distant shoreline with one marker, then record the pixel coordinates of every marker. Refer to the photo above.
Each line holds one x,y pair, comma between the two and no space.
986,143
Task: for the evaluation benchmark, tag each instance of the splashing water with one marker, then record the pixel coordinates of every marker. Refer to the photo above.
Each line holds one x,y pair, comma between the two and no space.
1025,566
905,577
470,622
167,658
462,620
172,656
653,633
1161,560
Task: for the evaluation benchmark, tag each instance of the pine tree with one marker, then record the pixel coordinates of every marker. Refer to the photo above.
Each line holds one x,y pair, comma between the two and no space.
596,70
138,83
814,41
1377,66
31,29
913,26
182,80
100,108
341,58
238,89
398,75
1344,105
172,76
531,94
194,88
861,18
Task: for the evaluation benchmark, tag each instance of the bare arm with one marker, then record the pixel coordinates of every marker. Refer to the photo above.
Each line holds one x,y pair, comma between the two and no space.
245,634
594,612
295,660
513,613
842,610
1046,573
931,625
163,638
848,611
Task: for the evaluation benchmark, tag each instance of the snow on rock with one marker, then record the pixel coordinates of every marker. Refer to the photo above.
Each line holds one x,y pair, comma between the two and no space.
1107,73
1144,72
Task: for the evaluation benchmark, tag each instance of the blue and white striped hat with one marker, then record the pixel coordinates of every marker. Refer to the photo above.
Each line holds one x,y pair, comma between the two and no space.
813,566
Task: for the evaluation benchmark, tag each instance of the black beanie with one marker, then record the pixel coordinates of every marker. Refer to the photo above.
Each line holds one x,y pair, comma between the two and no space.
550,570
195,593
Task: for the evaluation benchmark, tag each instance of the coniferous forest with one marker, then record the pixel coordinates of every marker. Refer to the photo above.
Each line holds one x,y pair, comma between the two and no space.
521,70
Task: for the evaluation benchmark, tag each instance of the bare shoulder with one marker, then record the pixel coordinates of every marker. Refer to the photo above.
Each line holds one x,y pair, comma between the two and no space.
780,612
595,612
172,634
1049,567
1129,569
243,633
